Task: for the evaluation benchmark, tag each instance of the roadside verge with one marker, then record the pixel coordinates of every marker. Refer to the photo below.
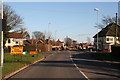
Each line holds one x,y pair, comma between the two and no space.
20,69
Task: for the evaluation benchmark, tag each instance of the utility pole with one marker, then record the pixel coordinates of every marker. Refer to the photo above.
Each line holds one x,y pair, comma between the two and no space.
118,12
116,28
1,43
55,40
36,45
49,35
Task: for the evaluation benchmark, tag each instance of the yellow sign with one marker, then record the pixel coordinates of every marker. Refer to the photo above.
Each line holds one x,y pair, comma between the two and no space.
16,50
33,52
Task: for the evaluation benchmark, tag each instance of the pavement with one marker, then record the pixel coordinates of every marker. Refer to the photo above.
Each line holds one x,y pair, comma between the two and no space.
69,65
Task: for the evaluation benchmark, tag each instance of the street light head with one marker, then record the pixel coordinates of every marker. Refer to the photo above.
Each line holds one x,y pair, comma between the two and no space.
96,9
49,23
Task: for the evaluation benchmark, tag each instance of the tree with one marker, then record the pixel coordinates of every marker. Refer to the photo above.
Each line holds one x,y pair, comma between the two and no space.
68,41
107,20
13,20
38,35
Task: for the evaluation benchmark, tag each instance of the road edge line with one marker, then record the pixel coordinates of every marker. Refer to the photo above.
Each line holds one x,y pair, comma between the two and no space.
78,67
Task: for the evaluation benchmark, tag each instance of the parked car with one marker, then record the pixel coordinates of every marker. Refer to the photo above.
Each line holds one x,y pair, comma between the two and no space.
91,49
104,50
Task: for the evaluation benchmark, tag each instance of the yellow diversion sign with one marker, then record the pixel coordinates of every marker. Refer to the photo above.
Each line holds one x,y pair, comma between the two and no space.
16,50
33,52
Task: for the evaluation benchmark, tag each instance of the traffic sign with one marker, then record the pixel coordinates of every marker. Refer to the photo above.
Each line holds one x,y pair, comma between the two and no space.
16,50
3,24
33,52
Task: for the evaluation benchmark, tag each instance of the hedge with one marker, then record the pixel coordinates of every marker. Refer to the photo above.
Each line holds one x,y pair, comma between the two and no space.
115,50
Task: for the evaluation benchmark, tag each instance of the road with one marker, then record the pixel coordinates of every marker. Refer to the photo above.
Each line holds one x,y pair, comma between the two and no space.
72,65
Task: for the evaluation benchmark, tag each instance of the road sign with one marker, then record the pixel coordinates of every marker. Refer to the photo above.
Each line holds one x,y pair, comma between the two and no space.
0,24
16,50
33,52
3,24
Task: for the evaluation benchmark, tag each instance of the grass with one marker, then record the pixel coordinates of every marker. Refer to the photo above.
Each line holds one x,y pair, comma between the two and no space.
14,62
105,57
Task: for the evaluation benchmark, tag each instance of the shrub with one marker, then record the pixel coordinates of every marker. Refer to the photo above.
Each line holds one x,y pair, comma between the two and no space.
115,50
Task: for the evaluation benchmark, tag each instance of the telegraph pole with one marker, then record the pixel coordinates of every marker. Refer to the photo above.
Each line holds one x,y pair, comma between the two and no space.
1,42
116,28
55,40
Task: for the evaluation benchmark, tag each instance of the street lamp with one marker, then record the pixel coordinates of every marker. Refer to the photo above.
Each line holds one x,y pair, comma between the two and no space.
96,9
49,35
49,30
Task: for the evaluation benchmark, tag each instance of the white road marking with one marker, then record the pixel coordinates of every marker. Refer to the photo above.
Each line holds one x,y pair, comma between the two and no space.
78,67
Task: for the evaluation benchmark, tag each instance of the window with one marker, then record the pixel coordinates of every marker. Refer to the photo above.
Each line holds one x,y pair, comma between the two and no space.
16,42
111,39
117,39
9,41
107,39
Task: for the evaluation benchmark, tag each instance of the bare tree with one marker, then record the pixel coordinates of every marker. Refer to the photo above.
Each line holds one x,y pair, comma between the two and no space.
105,21
38,35
68,41
13,20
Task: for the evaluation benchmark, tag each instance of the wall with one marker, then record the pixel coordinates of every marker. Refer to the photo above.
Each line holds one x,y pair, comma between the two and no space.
13,42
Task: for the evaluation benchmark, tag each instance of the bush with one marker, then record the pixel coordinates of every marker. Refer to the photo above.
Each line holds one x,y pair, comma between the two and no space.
115,50
6,50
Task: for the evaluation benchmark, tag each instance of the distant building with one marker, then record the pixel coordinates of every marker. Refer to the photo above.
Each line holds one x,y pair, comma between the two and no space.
39,45
14,39
56,44
107,37
86,45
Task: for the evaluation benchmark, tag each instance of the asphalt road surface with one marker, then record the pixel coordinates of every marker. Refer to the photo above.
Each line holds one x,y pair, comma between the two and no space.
71,66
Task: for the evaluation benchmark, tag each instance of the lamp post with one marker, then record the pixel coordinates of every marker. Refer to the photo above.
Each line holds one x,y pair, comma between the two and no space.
49,30
48,35
96,9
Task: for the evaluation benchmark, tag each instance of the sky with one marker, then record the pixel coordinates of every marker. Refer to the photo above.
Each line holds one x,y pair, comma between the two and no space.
73,19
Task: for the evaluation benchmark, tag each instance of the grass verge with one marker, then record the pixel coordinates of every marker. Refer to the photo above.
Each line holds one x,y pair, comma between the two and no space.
15,62
105,57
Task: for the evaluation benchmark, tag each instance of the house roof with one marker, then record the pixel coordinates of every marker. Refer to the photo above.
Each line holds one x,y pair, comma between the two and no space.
33,41
109,30
15,35
59,41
